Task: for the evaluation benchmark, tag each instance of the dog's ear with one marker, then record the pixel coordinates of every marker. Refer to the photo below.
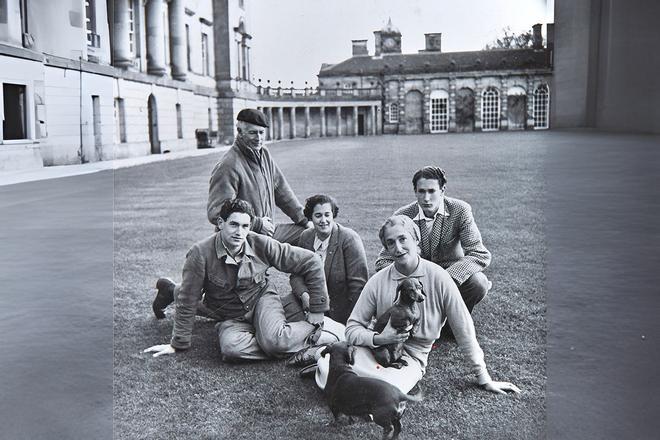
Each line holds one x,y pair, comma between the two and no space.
350,355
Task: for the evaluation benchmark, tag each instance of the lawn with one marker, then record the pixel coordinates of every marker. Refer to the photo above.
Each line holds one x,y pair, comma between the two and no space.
160,211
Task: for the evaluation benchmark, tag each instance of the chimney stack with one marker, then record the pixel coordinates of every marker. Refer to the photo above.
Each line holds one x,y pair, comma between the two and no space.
537,38
433,42
360,47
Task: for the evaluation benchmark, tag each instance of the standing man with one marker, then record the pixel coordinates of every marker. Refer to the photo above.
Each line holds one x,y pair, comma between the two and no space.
449,235
224,278
248,172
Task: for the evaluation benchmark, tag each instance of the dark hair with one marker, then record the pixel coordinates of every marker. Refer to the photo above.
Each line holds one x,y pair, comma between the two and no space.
230,206
319,199
435,173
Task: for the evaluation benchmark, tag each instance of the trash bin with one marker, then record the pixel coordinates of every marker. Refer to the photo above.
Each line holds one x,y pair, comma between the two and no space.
205,138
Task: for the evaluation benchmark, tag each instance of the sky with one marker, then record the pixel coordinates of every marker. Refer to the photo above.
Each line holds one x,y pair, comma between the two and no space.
292,38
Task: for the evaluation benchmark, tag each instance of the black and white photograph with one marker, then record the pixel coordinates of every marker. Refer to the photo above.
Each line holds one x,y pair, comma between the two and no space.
307,219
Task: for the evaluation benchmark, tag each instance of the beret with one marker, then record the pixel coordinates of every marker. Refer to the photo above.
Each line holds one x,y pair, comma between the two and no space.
252,116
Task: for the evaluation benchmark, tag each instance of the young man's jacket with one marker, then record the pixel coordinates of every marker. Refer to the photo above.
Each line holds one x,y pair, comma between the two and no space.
457,247
231,291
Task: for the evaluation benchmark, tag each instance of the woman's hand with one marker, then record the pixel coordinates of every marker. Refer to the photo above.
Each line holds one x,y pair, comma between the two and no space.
390,335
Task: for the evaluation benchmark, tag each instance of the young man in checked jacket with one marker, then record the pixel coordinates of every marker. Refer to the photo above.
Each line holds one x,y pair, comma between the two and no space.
449,235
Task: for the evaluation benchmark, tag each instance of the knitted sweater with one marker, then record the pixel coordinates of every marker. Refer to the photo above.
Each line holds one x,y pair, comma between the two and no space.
443,302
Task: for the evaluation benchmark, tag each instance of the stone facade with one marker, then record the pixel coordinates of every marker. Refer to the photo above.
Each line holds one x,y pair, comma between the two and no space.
86,90
435,92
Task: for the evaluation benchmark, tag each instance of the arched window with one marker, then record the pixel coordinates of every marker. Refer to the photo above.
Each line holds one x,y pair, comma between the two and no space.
439,105
490,109
393,113
541,107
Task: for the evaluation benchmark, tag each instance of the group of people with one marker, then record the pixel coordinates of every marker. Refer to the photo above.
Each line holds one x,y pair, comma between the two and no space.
434,239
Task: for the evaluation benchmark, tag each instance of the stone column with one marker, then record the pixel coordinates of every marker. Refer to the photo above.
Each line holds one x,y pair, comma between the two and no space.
322,116
451,105
426,107
155,38
280,118
355,120
121,50
338,121
504,105
373,120
292,114
178,40
270,123
308,127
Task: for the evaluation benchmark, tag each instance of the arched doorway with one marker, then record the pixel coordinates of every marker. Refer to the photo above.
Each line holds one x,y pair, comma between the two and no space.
464,110
414,112
516,104
153,125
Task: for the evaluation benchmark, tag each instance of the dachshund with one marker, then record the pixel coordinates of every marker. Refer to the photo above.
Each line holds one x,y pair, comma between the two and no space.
404,316
364,397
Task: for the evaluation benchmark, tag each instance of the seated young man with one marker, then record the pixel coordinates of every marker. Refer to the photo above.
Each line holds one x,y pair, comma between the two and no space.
400,237
224,278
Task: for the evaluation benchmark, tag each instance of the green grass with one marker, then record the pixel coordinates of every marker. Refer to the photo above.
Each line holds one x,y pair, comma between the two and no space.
160,211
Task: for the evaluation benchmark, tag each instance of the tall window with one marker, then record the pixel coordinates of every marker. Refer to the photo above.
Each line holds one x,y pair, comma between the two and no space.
490,109
14,126
179,122
393,112
120,121
541,107
188,48
133,27
93,39
205,54
439,111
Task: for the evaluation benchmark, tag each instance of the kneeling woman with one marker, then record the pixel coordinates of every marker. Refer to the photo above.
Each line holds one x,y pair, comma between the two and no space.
400,237
343,255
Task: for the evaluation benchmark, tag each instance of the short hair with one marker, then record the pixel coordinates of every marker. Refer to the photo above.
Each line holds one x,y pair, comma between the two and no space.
229,206
319,199
430,172
408,225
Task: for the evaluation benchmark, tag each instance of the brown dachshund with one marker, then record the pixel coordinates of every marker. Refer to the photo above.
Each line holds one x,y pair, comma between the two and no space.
352,395
404,315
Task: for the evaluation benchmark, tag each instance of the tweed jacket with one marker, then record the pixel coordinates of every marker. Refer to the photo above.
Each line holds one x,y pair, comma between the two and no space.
459,250
258,181
345,268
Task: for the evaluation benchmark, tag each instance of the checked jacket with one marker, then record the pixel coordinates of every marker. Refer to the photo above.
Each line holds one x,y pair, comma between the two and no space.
455,239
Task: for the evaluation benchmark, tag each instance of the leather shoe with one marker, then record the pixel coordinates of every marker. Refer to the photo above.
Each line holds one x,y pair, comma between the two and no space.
304,357
164,297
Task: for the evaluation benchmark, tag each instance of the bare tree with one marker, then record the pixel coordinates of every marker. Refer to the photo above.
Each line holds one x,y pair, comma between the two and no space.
511,40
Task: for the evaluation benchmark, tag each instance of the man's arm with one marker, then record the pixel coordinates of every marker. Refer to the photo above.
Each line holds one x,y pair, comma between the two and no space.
297,261
285,198
476,257
188,297
189,294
